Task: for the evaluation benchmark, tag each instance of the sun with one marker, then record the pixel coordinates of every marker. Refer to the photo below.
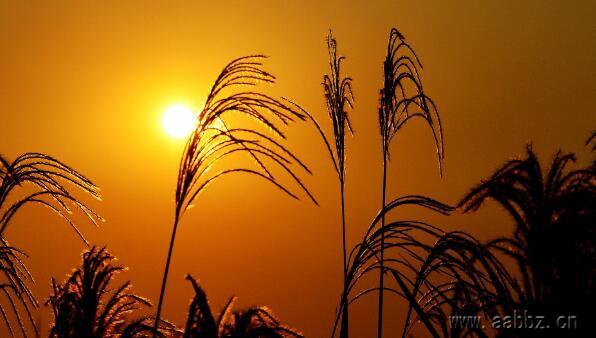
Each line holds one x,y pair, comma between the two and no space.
178,121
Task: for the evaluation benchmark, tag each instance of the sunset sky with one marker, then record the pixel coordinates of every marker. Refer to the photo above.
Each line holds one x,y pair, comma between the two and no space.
89,83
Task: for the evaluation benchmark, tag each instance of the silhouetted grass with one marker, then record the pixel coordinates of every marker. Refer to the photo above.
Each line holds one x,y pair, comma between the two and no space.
365,257
339,98
214,140
15,287
85,305
453,274
253,322
50,178
402,99
49,184
553,241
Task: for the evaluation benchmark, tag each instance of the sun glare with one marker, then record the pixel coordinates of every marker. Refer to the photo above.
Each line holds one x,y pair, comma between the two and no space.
178,121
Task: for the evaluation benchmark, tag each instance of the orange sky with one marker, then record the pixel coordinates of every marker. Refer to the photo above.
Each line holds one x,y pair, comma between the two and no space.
88,83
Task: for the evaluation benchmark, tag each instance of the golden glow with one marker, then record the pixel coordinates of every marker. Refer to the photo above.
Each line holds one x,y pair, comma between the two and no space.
89,84
178,121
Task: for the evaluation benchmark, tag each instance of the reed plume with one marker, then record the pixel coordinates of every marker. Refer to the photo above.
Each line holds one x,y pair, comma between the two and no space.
83,306
402,99
49,182
339,98
215,139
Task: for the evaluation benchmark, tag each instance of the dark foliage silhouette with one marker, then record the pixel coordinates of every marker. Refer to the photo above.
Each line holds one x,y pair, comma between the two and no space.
215,140
255,322
85,306
45,181
402,99
552,249
553,241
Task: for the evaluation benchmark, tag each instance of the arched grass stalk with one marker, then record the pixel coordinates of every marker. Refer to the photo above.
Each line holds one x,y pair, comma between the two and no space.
402,99
365,256
445,274
214,140
430,269
51,182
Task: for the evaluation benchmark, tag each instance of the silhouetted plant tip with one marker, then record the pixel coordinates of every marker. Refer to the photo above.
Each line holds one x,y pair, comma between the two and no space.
253,322
214,140
592,140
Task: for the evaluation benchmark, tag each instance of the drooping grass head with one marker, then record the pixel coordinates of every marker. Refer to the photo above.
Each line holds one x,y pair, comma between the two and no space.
216,138
403,97
52,181
338,98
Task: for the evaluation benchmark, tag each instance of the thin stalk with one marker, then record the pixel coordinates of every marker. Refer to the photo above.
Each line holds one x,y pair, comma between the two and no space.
344,318
382,270
165,276
338,94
